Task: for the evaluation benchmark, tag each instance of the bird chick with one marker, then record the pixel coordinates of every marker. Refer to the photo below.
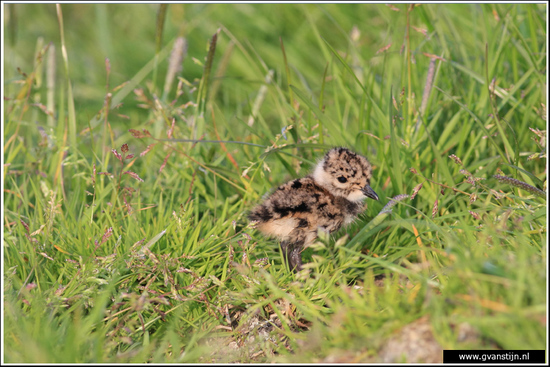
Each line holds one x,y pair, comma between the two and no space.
327,199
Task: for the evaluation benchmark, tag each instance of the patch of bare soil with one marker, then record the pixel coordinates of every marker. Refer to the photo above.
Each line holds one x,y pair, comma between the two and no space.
414,343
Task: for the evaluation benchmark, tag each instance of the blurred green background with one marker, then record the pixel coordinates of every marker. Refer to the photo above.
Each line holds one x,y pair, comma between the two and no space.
126,35
100,266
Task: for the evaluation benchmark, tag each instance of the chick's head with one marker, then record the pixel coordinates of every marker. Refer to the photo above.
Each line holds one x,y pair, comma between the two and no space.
345,173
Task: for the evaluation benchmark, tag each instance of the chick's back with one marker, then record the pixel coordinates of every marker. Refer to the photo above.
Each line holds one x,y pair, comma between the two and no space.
302,206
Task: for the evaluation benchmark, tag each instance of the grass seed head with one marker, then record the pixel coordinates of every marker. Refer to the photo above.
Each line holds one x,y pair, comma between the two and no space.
474,214
416,190
434,210
456,159
522,185
393,201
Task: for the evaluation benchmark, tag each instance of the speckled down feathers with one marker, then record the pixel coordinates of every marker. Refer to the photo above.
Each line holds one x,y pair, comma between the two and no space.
328,199
308,204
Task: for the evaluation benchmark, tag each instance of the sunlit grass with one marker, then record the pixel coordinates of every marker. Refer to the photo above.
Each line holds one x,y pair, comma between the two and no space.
127,181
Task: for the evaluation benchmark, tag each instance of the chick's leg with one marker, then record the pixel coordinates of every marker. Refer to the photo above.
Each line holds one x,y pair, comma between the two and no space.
292,252
295,258
294,245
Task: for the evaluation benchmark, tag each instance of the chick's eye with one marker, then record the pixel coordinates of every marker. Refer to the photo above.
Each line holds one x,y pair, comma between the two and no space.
342,179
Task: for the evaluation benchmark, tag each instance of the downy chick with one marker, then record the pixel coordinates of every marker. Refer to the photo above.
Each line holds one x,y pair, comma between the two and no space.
327,199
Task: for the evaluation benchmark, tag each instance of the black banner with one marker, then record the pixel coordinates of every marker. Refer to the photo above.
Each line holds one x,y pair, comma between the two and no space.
493,356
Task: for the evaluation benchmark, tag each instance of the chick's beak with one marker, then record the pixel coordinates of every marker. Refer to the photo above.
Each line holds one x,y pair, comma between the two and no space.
369,192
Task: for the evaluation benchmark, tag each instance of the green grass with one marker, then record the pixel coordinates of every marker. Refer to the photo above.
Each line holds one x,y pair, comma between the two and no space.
144,254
